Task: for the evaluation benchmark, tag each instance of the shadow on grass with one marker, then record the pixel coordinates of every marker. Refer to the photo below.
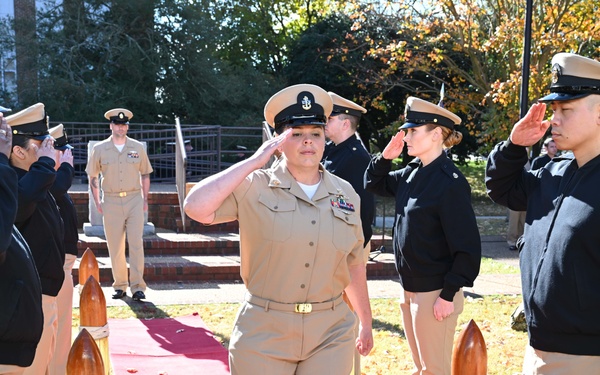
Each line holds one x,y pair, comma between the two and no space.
145,309
382,325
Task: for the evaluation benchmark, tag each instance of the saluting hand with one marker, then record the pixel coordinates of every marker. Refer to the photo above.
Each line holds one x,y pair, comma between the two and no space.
395,147
46,149
532,127
66,157
270,147
5,137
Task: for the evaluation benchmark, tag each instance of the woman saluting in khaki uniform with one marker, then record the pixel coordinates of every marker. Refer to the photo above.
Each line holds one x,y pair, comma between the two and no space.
301,246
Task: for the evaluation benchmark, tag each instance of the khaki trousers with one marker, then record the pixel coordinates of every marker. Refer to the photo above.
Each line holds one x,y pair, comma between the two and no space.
124,218
45,348
64,305
539,362
269,342
367,252
430,340
11,370
516,224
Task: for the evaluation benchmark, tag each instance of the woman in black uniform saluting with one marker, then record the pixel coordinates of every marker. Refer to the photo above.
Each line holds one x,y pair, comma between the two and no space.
436,240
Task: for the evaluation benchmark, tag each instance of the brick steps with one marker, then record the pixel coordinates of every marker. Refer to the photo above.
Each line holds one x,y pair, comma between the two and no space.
202,253
168,243
172,257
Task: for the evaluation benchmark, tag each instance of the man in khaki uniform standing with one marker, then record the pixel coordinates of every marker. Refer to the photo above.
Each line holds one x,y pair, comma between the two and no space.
125,170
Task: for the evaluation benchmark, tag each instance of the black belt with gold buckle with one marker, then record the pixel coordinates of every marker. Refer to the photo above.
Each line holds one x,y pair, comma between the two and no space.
300,308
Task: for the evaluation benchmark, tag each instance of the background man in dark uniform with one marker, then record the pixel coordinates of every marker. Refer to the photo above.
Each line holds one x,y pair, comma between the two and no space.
38,218
549,153
346,156
560,249
125,168
21,317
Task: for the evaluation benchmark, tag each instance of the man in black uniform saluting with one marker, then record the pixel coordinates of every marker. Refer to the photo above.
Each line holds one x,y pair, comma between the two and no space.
346,156
21,318
560,248
38,218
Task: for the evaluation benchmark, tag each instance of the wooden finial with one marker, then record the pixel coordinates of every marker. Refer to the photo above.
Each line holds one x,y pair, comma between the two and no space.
88,266
84,357
469,356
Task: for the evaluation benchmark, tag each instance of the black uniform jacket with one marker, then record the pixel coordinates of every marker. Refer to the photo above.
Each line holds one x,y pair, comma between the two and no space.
560,249
436,239
40,223
21,317
540,161
59,190
349,160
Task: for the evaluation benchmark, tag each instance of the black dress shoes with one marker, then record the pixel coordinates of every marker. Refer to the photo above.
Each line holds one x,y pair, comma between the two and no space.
138,296
119,294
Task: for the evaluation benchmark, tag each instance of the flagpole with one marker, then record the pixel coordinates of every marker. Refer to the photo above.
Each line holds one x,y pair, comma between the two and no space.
524,98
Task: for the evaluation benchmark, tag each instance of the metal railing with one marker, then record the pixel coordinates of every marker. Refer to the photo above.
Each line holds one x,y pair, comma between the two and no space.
209,148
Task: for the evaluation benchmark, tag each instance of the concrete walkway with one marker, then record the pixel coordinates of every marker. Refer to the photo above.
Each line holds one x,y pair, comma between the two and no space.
233,292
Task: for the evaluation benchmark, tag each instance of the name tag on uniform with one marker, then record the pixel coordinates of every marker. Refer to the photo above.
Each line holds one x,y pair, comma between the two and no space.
133,154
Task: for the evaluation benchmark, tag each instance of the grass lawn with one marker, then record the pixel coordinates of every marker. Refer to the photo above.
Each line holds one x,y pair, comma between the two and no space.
391,354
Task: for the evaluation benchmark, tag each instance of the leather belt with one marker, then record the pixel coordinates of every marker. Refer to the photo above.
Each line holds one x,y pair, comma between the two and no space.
121,194
300,308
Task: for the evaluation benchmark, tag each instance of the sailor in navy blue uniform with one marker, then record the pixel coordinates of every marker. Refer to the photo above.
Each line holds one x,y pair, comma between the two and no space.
38,218
21,316
436,239
560,247
346,156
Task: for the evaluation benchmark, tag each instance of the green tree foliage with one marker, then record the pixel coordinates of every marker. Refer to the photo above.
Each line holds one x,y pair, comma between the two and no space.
95,56
217,62
476,48
260,32
194,82
338,53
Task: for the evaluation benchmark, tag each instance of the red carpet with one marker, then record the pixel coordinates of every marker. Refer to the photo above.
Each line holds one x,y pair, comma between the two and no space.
165,347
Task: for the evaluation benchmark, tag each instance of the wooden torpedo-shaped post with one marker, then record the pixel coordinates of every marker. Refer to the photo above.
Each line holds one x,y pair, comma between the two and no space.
469,356
93,317
88,266
84,356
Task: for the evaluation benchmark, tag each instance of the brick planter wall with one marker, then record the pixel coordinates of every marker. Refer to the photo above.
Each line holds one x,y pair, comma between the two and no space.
163,212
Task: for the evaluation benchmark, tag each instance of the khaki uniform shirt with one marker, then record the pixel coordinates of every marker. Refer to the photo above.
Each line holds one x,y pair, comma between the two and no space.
294,249
120,170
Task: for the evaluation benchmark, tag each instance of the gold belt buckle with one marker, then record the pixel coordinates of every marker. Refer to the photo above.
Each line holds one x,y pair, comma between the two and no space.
123,194
303,308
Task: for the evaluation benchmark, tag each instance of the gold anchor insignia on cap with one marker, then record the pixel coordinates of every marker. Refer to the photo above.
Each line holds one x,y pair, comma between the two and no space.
306,104
121,115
